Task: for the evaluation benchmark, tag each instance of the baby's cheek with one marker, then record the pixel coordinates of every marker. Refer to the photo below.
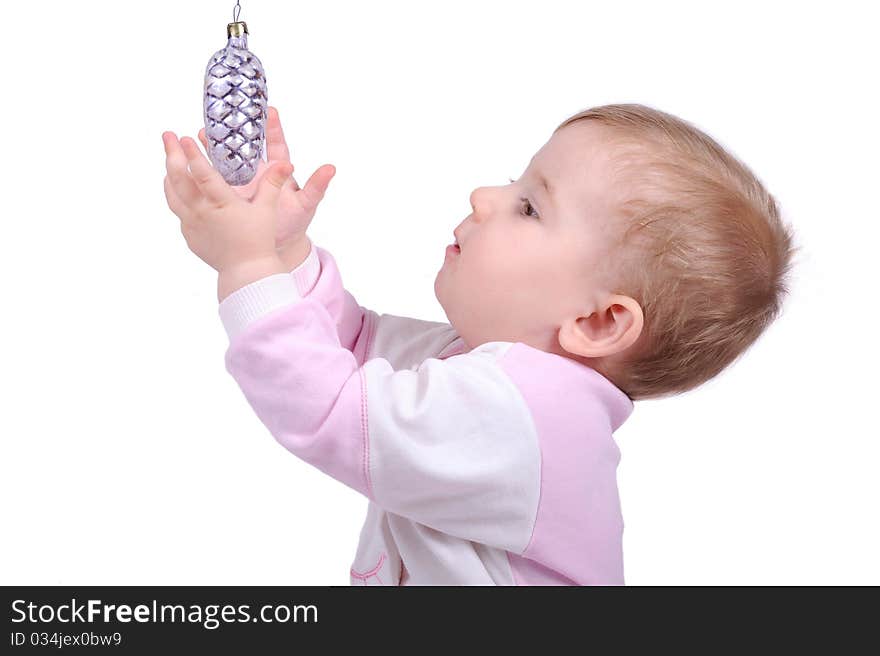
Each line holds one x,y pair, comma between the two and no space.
482,282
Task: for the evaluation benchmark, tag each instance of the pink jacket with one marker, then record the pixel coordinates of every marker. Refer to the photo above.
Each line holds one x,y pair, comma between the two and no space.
489,466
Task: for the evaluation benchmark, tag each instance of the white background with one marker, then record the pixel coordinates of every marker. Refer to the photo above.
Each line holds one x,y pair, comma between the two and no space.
130,456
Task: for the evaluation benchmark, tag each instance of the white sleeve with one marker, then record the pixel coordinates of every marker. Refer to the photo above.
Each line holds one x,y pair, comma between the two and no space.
452,445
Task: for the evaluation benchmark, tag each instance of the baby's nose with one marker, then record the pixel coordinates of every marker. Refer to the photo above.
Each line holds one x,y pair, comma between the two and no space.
480,202
473,197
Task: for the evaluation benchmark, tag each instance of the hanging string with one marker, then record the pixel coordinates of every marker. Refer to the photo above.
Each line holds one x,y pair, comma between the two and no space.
236,10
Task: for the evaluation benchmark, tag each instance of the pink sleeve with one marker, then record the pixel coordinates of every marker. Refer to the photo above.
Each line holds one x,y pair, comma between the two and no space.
286,357
318,278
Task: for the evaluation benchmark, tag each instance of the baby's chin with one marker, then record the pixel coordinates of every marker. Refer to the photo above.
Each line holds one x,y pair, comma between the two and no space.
437,293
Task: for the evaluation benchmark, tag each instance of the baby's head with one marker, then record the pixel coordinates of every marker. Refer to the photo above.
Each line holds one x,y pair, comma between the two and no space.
632,243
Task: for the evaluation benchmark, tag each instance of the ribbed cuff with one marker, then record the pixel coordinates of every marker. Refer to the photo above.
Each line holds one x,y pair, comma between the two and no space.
306,274
255,300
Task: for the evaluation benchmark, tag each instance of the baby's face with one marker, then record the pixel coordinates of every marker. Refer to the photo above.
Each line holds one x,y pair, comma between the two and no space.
532,258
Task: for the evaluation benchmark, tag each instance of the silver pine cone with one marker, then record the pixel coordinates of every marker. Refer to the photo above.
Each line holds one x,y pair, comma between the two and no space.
236,109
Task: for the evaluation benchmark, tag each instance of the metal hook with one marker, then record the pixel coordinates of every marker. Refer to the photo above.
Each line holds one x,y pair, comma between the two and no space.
236,10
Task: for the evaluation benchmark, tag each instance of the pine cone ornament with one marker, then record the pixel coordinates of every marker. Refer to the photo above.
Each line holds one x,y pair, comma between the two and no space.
236,108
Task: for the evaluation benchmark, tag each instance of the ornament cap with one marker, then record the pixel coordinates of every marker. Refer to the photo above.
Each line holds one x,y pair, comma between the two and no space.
237,28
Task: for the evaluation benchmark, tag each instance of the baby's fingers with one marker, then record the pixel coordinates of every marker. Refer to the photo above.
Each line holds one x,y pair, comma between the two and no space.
206,177
314,190
275,142
178,177
175,204
203,139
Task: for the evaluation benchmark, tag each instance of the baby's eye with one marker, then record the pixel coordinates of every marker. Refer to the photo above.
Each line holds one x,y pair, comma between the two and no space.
526,204
529,205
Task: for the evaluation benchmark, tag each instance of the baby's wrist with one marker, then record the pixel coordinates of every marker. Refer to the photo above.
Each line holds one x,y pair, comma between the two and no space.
240,274
295,253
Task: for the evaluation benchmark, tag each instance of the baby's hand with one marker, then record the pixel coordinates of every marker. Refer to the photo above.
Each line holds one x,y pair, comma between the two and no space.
228,232
296,207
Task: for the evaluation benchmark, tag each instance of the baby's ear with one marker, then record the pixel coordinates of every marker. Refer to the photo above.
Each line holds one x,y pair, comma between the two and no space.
615,326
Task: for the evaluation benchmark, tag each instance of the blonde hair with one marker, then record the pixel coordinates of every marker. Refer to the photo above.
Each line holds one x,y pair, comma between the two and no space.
705,252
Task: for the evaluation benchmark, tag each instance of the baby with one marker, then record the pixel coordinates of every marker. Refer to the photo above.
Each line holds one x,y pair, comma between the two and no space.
634,258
